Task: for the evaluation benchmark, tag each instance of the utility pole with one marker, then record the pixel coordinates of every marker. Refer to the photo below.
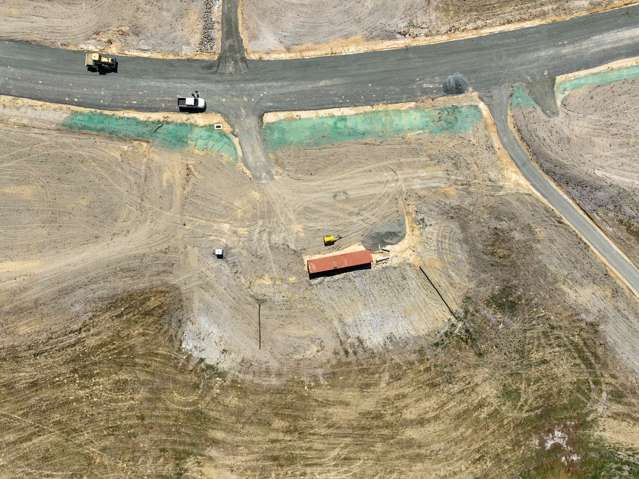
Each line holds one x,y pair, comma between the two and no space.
260,302
259,325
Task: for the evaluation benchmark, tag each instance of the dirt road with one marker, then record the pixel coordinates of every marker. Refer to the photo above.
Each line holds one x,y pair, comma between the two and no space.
290,29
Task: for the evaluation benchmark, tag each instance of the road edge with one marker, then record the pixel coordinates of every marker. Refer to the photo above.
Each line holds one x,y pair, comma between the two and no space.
609,267
16,106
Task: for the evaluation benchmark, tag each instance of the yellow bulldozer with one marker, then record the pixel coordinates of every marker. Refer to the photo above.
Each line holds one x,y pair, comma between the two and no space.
97,62
330,240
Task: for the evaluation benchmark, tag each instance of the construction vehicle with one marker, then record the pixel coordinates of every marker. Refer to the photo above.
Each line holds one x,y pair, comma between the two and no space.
97,62
329,240
192,104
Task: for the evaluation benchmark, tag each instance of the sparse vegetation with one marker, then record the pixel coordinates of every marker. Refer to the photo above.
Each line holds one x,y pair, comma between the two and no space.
588,458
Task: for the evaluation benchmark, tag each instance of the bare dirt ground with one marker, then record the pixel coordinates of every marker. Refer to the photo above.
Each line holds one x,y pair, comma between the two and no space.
182,27
590,150
296,26
107,282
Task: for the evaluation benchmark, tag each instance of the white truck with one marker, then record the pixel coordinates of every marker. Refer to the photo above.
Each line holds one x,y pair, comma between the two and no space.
191,104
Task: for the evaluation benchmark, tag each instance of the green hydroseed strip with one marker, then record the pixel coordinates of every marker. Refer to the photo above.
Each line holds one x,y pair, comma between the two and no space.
317,131
596,79
171,136
521,99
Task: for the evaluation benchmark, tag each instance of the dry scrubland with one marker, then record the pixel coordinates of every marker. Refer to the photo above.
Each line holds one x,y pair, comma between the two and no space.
106,276
590,150
299,25
176,27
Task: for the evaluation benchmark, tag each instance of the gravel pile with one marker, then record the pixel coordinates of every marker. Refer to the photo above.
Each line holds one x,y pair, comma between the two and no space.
207,40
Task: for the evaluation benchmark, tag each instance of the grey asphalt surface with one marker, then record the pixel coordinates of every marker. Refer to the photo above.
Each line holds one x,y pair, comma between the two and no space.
242,90
390,76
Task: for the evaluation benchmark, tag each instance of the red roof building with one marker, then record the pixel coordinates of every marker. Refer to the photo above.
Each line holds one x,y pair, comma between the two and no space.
339,263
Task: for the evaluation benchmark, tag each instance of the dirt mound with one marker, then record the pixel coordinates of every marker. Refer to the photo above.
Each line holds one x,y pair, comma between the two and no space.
385,234
113,393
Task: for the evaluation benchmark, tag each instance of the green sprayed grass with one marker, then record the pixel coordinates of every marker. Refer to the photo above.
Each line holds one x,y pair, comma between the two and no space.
313,132
596,79
172,136
521,98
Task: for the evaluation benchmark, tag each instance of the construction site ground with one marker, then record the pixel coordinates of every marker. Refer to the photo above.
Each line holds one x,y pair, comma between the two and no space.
589,150
294,28
129,350
144,27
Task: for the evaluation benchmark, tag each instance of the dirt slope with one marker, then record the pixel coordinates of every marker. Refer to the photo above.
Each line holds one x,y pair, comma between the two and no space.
295,25
182,27
590,150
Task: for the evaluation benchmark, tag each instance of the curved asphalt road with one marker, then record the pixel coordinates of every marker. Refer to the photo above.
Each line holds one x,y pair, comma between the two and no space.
587,229
242,90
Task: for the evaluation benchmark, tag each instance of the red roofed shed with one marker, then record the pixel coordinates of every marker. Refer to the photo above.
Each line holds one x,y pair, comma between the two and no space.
339,263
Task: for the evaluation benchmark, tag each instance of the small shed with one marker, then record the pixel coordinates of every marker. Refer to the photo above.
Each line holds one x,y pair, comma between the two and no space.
339,263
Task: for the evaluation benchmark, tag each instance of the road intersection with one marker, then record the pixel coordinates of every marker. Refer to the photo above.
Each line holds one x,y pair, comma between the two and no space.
243,90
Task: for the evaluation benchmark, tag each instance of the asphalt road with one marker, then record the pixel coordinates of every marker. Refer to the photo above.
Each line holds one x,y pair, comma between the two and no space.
241,90
399,75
